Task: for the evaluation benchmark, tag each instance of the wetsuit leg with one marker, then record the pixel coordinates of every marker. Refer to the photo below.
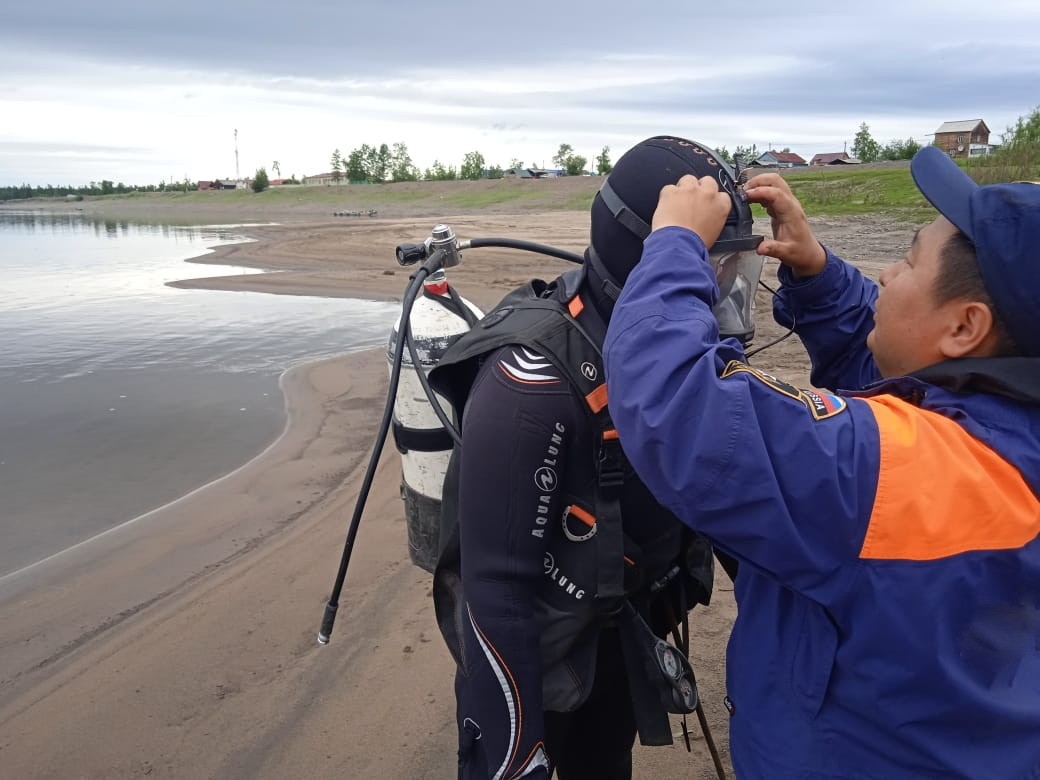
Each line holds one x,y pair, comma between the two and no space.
595,741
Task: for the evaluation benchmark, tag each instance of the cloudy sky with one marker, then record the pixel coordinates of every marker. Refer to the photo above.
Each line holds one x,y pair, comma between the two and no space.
141,92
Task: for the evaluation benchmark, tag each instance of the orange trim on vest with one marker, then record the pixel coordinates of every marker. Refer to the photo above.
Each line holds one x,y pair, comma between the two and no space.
597,399
575,306
582,515
610,435
942,492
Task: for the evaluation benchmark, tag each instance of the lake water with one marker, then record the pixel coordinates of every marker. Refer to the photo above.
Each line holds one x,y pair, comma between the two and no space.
117,393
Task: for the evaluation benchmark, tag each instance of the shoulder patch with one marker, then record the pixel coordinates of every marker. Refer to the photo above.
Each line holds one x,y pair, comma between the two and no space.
528,368
820,404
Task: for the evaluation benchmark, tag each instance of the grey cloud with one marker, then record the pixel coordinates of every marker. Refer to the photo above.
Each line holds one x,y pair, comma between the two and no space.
335,40
858,60
913,83
54,149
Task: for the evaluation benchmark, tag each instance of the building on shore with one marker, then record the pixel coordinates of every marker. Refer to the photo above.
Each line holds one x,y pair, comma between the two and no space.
964,138
774,159
828,158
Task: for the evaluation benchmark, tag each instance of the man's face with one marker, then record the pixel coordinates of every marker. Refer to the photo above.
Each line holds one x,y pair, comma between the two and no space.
907,322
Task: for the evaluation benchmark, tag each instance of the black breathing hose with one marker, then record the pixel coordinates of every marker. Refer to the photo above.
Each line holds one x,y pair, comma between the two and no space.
406,334
529,246
329,618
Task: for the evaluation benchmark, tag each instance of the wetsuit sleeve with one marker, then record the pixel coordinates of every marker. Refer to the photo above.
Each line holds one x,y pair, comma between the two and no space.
782,478
832,313
516,431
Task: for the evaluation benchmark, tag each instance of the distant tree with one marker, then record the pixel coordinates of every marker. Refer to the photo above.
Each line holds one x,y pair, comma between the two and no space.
260,181
899,150
402,168
383,164
276,168
472,166
370,155
515,163
1024,134
438,172
575,165
337,166
723,152
561,156
747,154
1017,159
603,164
495,172
356,166
864,147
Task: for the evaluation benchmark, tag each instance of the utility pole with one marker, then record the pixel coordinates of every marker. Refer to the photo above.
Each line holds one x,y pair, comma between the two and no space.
236,157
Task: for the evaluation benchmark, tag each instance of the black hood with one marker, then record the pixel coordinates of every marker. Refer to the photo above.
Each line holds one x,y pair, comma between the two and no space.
623,209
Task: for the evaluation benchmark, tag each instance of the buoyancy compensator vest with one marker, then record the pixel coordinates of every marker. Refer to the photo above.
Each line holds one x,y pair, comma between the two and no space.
657,580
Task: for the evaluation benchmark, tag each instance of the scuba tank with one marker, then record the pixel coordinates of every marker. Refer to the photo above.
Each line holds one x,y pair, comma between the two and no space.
439,317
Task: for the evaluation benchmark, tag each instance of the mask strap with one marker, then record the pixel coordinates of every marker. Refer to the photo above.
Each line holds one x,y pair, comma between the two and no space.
623,213
610,287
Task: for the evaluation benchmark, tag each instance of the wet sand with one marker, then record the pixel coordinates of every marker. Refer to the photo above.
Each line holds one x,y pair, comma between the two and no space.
182,644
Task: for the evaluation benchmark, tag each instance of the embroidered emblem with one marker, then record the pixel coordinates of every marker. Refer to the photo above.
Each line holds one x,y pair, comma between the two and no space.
820,404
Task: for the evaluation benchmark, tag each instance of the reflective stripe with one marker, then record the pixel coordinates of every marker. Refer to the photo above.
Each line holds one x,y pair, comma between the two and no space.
501,670
942,492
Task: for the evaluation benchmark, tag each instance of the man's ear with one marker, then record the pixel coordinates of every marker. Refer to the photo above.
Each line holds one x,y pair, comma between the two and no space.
969,332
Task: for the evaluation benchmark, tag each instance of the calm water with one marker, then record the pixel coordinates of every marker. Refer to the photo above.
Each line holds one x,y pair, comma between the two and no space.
117,393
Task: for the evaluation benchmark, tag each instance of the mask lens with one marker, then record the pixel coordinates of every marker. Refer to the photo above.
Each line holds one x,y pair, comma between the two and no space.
737,274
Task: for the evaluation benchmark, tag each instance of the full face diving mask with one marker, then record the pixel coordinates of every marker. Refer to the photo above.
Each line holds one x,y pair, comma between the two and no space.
737,266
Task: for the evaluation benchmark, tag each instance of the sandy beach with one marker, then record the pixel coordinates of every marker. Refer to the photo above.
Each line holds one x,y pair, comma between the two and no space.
182,644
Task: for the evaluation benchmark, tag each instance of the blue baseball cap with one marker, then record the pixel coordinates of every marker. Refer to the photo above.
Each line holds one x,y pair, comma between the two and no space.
1003,221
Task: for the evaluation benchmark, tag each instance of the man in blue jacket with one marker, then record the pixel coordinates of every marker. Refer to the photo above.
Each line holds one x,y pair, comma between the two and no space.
889,535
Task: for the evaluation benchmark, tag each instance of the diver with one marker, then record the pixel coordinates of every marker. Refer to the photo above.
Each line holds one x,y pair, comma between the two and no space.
559,571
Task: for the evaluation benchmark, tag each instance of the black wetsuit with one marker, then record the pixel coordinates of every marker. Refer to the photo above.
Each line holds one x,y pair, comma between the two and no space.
528,454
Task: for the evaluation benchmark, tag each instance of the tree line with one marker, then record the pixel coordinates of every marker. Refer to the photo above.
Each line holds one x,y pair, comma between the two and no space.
103,187
393,163
1019,153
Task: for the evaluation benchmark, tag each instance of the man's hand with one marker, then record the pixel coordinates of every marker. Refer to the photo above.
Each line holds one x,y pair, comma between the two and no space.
695,204
793,242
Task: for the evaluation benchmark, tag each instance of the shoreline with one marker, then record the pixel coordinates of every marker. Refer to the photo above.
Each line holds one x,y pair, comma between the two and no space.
191,635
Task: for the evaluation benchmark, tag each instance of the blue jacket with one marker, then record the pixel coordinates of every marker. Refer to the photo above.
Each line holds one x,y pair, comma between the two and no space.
889,595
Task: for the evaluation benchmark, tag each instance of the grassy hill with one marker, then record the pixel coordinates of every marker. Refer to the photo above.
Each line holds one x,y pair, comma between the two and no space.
879,188
824,191
846,189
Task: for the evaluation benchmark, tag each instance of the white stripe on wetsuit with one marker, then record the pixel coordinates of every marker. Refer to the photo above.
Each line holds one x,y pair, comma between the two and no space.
507,693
